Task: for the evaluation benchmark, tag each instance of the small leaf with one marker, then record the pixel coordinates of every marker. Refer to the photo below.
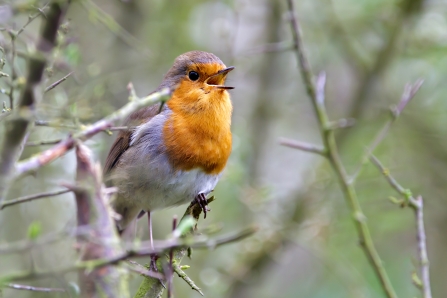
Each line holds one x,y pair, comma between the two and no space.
34,230
185,225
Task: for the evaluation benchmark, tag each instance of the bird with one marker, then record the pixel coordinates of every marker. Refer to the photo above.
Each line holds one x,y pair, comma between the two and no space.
176,151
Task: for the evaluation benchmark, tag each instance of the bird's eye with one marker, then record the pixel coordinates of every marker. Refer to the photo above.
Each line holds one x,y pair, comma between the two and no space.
193,76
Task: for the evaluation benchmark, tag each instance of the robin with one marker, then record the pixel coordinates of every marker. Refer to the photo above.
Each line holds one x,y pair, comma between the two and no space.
177,151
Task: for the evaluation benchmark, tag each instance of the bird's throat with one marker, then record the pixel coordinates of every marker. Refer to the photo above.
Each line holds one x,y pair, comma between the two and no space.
197,133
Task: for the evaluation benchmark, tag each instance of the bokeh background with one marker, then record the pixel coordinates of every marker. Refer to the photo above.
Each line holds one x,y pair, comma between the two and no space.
306,245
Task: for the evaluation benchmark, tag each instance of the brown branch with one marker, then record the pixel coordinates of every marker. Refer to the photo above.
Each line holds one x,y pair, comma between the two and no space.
55,84
43,143
17,125
93,211
143,250
55,124
33,197
63,147
151,287
316,94
303,146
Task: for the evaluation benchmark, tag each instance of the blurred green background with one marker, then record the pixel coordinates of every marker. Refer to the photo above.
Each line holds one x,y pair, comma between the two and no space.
306,245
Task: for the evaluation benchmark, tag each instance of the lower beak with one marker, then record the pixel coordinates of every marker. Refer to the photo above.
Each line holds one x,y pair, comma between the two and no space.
219,77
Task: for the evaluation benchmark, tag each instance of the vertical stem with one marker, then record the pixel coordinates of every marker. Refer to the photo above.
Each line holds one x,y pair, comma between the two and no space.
316,95
422,247
17,125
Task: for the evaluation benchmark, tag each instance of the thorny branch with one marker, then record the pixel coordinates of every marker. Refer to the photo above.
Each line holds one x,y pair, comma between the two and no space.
417,204
152,287
143,250
408,94
316,94
63,147
18,124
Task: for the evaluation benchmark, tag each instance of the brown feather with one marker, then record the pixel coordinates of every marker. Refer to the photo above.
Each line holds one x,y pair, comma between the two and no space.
123,139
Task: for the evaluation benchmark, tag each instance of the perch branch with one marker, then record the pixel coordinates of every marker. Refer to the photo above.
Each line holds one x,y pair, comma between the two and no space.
93,211
144,250
60,149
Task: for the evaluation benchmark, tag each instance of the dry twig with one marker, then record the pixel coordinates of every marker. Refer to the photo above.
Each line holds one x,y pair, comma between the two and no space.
33,197
316,94
418,206
18,124
60,149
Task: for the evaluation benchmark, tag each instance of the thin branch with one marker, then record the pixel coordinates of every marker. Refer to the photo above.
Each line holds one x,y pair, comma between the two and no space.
409,92
422,247
43,143
303,146
393,182
143,251
140,269
317,98
17,125
63,147
56,124
56,141
34,289
31,18
418,207
186,278
33,197
55,84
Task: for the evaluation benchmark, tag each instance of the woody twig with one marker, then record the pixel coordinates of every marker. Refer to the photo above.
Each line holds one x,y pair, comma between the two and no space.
18,124
316,93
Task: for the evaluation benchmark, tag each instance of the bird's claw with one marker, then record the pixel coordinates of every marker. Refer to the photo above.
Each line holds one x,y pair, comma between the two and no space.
203,203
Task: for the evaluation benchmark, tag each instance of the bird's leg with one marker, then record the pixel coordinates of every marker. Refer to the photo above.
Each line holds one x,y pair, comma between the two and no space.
202,201
154,257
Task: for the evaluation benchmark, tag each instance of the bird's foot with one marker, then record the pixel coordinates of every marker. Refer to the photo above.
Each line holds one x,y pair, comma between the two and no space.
203,203
153,265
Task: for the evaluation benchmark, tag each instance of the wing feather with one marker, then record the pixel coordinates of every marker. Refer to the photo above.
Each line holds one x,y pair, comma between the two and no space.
122,142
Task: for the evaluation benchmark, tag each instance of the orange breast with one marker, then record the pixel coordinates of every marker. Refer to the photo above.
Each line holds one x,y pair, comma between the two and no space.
197,134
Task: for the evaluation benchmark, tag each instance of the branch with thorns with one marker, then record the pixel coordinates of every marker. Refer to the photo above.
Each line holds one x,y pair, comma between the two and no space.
316,93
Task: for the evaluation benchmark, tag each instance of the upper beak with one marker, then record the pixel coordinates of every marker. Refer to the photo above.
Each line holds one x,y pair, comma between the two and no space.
216,79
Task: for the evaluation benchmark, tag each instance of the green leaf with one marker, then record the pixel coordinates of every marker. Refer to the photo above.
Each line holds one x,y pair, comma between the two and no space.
34,230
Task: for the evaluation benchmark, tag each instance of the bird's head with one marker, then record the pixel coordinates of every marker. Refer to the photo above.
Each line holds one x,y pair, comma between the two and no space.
199,80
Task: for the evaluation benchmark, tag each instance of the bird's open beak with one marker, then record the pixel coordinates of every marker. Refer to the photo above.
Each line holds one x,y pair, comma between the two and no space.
219,78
